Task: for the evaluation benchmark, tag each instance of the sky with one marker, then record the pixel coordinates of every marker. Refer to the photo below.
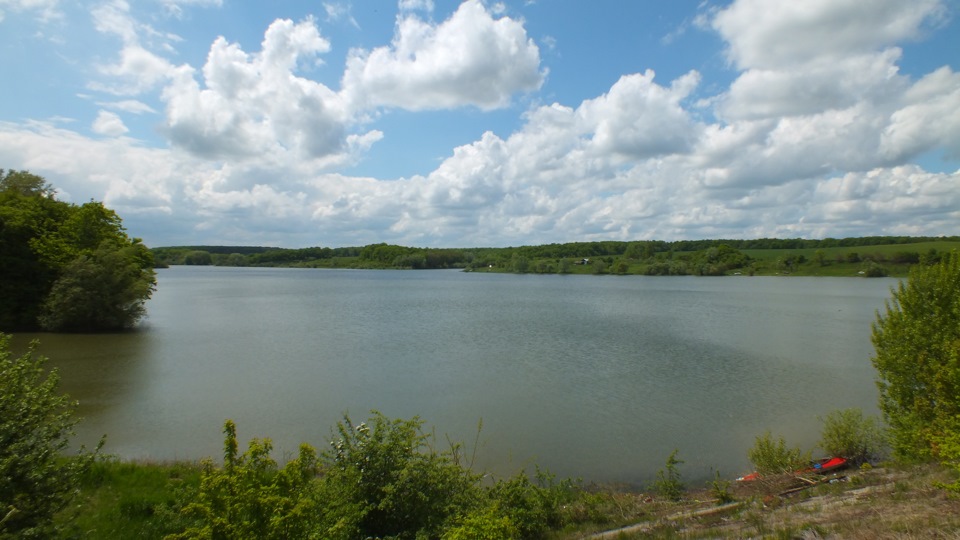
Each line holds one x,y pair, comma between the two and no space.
436,123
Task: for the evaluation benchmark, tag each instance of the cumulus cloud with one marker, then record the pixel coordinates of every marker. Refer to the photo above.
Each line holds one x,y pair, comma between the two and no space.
255,105
814,87
469,59
915,196
108,123
813,138
140,180
820,91
768,34
930,118
640,119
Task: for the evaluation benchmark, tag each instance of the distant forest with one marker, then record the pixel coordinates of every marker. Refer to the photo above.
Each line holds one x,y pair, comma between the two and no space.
650,257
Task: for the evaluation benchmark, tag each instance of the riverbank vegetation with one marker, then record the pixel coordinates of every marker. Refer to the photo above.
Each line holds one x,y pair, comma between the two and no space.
66,267
869,257
373,484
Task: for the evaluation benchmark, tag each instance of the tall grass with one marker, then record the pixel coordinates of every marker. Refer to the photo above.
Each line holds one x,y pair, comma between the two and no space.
130,500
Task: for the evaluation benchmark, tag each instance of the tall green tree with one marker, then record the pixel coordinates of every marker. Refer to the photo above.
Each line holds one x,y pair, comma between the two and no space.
106,289
36,422
917,343
65,266
27,212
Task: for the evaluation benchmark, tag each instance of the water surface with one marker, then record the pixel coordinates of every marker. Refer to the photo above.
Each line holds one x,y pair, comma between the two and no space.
587,376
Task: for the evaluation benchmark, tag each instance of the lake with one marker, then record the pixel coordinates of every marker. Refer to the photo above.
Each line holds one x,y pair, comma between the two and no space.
596,377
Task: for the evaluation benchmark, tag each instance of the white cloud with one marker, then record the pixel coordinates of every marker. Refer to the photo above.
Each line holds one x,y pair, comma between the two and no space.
339,11
930,118
821,92
129,106
254,106
46,10
814,137
768,34
907,194
469,59
413,5
139,180
813,87
137,70
640,119
108,123
175,7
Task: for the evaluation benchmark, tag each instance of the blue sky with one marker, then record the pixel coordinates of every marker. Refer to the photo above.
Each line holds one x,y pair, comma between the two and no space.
480,123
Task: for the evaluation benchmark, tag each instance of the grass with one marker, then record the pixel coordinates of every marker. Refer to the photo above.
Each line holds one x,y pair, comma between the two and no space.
836,258
130,500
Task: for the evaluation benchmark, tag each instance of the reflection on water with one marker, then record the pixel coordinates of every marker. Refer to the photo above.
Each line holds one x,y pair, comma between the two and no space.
592,377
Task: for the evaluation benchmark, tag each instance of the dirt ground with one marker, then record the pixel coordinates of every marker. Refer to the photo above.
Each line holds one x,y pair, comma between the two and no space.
879,503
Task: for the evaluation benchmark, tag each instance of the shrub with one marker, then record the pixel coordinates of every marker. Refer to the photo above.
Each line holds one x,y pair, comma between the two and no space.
249,497
770,457
720,489
488,524
36,422
848,433
388,476
668,483
534,508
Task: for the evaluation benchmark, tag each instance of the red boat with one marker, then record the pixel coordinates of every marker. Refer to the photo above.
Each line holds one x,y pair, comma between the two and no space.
821,466
826,465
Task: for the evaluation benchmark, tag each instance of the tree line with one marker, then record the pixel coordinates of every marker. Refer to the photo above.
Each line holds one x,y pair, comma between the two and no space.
681,257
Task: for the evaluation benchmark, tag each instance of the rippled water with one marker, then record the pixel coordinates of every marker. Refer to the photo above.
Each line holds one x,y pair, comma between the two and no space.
587,376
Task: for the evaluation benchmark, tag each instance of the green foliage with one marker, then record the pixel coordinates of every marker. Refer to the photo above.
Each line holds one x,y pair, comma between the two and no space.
771,456
66,267
24,184
103,290
872,269
668,483
534,508
848,433
197,258
948,450
250,497
654,257
36,421
380,479
388,474
720,489
917,344
486,524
